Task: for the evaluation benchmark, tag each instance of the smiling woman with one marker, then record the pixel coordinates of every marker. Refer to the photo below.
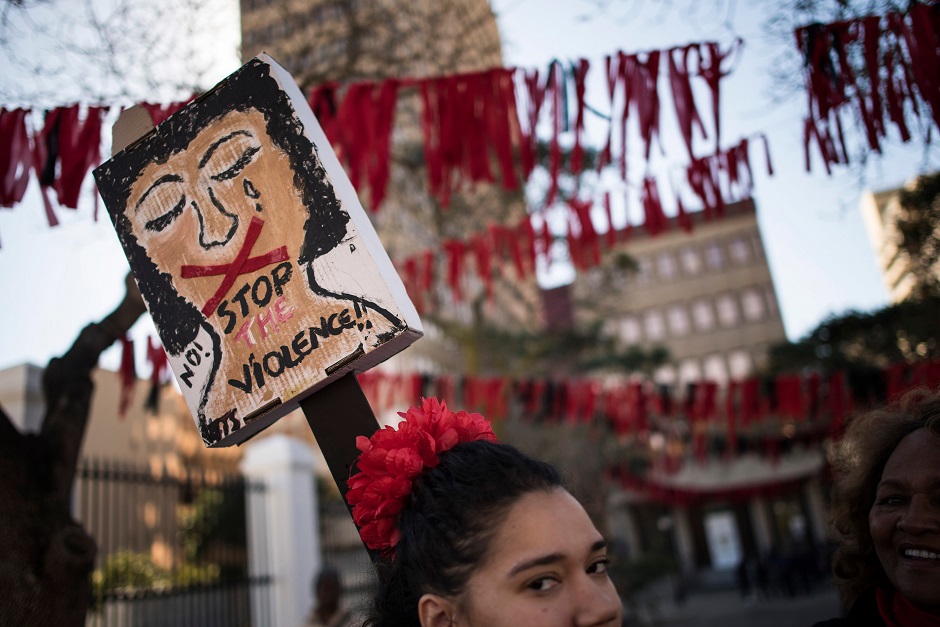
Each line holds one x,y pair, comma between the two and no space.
473,532
887,512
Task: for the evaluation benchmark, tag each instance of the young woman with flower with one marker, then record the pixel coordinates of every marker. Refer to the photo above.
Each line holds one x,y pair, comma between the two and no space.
473,532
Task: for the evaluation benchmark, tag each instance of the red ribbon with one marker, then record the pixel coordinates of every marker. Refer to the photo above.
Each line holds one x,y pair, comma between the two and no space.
160,112
455,250
557,84
655,221
127,374
79,143
242,264
15,158
711,71
645,97
481,245
682,97
579,74
535,93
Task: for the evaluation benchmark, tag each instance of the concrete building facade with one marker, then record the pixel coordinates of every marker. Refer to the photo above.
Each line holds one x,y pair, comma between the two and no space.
880,212
706,296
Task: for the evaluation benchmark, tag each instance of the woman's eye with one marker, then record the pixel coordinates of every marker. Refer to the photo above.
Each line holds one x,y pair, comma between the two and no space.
162,221
542,584
890,500
233,170
599,567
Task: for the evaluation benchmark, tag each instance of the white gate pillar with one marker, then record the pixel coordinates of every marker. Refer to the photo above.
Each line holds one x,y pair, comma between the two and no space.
283,527
817,514
759,511
682,530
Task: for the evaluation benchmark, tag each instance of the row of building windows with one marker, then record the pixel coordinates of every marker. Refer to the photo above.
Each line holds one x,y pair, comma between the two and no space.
695,260
726,310
691,261
736,364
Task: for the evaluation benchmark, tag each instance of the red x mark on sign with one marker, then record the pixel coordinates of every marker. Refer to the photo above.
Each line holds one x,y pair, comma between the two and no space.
243,264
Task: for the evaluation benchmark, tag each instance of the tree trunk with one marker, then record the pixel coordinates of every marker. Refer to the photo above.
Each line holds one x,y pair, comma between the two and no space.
46,557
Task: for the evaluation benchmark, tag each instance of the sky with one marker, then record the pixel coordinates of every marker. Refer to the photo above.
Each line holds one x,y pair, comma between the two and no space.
54,281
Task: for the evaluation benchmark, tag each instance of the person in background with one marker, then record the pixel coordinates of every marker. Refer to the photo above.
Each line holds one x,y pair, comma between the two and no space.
329,610
471,532
886,513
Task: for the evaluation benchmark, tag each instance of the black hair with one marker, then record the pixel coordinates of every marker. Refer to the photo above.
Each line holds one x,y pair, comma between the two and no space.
250,88
448,524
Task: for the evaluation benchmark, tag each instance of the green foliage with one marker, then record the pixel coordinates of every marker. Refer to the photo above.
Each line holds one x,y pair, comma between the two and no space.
905,332
212,528
128,571
200,521
209,526
919,230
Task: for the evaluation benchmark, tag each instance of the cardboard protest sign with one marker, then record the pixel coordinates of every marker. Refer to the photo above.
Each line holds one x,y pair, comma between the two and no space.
263,275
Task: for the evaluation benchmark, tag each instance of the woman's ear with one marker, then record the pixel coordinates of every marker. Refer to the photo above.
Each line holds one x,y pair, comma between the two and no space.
436,611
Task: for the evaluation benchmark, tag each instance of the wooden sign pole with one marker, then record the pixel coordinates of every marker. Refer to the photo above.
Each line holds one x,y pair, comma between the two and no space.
337,414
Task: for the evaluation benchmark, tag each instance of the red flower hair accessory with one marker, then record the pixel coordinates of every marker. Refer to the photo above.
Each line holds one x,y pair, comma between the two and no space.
393,457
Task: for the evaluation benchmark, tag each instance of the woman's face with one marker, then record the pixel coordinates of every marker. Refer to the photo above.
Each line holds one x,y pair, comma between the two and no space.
905,519
547,566
195,208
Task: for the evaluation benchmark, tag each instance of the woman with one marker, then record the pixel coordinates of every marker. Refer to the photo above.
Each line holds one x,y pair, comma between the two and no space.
329,610
887,514
473,532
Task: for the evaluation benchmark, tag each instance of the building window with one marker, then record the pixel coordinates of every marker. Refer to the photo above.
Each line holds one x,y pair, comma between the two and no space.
739,363
691,262
678,320
703,315
667,266
753,305
714,256
665,375
715,369
630,331
739,251
595,279
644,270
654,326
727,310
689,372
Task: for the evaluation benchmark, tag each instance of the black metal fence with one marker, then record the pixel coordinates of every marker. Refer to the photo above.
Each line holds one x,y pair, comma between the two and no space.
343,550
172,547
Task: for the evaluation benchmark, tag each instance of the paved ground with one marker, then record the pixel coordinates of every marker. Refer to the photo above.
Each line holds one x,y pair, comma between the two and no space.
726,608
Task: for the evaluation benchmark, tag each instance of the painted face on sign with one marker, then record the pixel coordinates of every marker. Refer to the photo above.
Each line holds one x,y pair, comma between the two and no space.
196,209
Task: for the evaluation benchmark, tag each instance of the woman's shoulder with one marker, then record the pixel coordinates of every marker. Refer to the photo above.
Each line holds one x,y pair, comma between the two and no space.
864,613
